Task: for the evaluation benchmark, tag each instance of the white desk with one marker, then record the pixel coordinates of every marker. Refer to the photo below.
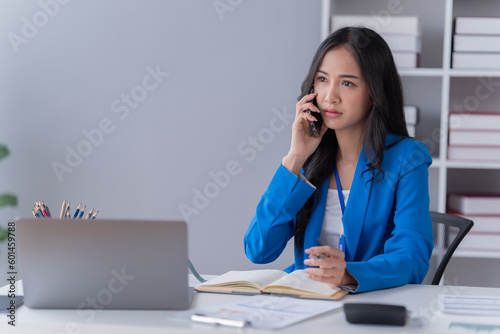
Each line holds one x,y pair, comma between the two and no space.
420,299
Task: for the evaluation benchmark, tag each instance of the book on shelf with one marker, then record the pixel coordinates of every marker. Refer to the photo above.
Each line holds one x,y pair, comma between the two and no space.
474,204
411,117
402,34
480,241
474,153
477,25
474,137
406,59
482,223
408,43
403,25
411,130
271,281
411,114
474,120
475,60
476,43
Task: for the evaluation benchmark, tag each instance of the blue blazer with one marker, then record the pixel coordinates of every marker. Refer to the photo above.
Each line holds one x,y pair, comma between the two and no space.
387,223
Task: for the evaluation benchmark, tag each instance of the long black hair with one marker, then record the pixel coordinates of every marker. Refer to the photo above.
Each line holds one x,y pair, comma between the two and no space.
376,63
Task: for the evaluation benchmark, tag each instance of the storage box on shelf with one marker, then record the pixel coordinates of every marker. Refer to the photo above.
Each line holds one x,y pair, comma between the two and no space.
484,211
476,43
474,136
411,117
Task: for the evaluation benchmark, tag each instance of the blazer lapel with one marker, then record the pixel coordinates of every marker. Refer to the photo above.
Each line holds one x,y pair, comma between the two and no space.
357,205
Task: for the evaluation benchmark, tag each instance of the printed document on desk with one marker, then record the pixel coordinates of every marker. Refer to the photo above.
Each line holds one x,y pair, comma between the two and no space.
473,305
459,324
466,314
265,311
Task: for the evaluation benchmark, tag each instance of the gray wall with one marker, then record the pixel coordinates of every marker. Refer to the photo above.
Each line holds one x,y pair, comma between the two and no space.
221,100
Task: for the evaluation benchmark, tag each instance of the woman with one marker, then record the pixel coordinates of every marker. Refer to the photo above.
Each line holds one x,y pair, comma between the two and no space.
363,150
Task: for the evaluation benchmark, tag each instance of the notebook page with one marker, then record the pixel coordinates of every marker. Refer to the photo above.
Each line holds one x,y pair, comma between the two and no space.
298,280
260,277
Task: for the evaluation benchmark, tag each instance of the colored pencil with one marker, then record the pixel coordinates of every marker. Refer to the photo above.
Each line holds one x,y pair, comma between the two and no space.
42,208
63,210
77,211
90,214
47,208
68,212
39,210
35,214
81,212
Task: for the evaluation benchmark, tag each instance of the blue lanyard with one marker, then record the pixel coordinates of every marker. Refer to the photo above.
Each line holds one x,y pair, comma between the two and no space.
339,190
342,206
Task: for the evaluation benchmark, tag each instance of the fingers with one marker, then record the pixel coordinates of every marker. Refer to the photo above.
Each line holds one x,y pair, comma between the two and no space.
307,98
307,116
306,103
303,142
332,277
327,250
328,261
329,269
302,122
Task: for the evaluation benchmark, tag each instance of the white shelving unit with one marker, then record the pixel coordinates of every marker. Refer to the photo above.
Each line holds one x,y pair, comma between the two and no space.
436,88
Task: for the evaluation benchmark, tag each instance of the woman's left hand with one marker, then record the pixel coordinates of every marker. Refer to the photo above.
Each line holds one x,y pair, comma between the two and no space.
331,268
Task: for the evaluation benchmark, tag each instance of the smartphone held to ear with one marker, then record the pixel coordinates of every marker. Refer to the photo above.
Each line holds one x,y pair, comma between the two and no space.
315,126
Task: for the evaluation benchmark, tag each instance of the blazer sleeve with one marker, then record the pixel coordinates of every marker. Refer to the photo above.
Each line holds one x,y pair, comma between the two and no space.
408,249
273,223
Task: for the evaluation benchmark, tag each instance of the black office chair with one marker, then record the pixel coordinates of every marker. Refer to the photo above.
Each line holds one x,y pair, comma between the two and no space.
449,230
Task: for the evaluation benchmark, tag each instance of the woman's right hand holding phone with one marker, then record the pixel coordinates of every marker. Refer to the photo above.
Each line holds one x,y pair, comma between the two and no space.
303,143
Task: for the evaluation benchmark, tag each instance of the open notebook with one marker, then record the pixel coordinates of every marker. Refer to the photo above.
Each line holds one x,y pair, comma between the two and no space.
271,281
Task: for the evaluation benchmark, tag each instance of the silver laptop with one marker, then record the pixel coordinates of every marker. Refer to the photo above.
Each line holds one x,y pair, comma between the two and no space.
104,264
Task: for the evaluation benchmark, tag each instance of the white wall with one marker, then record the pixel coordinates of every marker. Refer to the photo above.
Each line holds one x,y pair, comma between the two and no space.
226,75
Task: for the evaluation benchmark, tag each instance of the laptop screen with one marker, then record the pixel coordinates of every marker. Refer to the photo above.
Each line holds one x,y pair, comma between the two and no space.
104,264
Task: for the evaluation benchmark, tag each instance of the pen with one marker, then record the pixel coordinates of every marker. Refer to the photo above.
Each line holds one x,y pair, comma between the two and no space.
319,256
219,321
342,242
63,210
341,246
